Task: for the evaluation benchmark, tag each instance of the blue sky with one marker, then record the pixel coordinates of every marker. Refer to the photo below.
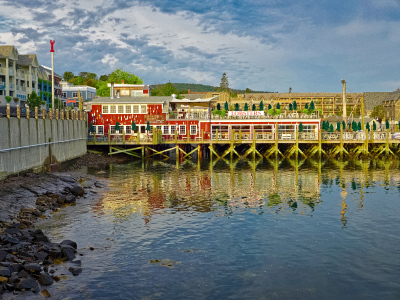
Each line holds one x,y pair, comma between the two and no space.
268,45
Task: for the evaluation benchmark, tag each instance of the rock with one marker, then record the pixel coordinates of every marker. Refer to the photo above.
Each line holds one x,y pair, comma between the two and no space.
13,279
75,271
68,252
45,279
45,293
69,243
77,190
3,255
15,267
39,236
61,199
27,283
41,255
13,230
55,253
33,268
23,274
12,240
5,272
3,279
70,199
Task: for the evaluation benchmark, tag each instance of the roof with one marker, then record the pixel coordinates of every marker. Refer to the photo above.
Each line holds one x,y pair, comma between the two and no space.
25,60
48,70
192,101
393,96
193,96
144,100
5,51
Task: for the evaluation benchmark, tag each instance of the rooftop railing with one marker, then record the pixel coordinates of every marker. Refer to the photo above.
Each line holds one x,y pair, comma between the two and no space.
193,115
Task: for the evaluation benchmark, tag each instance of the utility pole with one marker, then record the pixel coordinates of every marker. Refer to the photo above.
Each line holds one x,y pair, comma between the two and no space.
344,101
52,73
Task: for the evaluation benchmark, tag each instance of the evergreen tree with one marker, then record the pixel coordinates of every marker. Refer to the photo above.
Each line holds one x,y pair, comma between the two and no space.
226,106
133,126
148,126
34,100
224,85
117,127
306,106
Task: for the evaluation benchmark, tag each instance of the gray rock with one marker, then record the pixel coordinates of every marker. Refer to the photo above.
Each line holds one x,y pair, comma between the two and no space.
15,267
70,199
75,271
3,255
27,283
77,190
12,240
33,268
23,274
13,230
5,272
41,255
68,252
45,279
61,199
55,253
13,279
69,243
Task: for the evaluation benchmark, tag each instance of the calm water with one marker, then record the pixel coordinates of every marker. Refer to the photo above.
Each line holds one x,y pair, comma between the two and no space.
258,230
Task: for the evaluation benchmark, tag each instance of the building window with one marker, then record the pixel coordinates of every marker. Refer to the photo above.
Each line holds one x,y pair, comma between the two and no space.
182,129
113,109
128,129
112,129
165,129
105,109
137,93
64,95
193,129
143,109
173,129
128,109
120,109
74,94
100,129
136,109
158,127
309,128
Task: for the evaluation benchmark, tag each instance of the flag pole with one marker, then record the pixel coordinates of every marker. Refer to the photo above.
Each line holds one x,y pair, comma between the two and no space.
52,73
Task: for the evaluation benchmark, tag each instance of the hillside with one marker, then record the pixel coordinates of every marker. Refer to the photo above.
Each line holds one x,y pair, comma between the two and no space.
195,87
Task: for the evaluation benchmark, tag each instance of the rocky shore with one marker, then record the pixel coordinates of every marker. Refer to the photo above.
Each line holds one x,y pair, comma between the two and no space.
28,259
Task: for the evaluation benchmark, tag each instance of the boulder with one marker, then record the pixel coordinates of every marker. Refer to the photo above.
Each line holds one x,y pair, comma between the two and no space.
77,190
33,268
5,272
3,255
45,279
41,255
70,199
27,283
68,252
75,271
55,253
69,243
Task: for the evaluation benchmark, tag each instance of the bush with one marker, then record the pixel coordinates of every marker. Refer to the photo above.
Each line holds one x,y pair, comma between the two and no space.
16,99
8,99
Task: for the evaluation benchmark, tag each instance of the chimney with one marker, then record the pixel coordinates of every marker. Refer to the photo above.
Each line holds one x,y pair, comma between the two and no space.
112,90
122,81
188,91
344,100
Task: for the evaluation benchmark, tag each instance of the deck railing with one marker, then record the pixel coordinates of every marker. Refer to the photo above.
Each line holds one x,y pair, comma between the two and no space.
202,115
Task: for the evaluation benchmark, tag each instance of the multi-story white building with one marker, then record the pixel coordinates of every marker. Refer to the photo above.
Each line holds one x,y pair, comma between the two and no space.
18,75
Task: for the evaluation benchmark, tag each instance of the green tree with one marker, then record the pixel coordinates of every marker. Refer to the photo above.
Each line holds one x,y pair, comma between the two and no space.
224,85
34,100
119,74
164,90
67,76
378,112
306,106
102,89
133,126
148,126
117,127
248,90
103,78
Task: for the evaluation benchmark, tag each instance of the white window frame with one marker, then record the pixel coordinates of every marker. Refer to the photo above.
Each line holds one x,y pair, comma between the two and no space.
165,129
143,108
182,130
105,109
112,129
128,109
120,109
159,127
172,129
74,94
99,129
128,129
193,132
136,109
113,109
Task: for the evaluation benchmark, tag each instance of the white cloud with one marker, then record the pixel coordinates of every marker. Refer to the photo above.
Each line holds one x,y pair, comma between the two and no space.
110,60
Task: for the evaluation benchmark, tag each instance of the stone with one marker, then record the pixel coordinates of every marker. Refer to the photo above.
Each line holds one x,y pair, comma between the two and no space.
55,253
15,267
77,190
45,293
68,252
27,283
13,279
33,268
61,199
3,279
45,279
3,255
23,274
41,255
13,230
12,240
5,272
70,199
69,243
75,271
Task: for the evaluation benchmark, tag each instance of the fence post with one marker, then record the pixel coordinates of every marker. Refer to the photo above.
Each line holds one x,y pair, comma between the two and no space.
27,112
18,112
36,113
8,110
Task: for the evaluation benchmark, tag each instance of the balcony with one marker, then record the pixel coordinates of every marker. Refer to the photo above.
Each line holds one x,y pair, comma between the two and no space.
21,88
34,77
11,86
10,72
2,85
2,71
21,74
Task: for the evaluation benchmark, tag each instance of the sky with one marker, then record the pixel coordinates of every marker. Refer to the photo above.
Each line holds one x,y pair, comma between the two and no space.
264,45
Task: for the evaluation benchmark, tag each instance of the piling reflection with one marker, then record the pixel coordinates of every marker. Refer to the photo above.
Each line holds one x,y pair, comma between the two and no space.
225,187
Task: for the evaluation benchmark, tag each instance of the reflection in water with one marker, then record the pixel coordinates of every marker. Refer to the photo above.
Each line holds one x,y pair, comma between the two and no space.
244,230
259,186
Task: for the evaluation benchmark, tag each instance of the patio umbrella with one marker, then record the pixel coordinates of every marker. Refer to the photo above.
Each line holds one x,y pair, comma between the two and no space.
246,107
253,108
294,105
301,127
338,126
368,127
148,126
261,106
133,126
91,128
226,106
237,107
117,127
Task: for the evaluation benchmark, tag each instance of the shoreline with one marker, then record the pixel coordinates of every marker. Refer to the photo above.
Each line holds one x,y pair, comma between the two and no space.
29,261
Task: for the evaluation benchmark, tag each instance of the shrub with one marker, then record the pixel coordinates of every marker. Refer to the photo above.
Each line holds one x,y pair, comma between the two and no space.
8,99
16,99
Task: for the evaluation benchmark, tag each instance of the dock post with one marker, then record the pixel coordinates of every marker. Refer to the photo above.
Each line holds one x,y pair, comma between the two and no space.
372,133
216,135
176,136
320,142
387,141
123,136
232,142
254,144
341,141
240,136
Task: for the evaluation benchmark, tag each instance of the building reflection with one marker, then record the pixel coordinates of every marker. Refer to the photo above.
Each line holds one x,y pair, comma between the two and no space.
269,187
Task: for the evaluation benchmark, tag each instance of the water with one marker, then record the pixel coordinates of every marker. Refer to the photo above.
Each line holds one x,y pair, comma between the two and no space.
249,230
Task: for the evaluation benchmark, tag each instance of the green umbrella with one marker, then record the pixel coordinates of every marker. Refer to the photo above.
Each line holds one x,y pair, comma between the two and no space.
331,128
237,107
368,127
312,106
148,126
219,106
306,106
374,126
278,106
261,106
253,107
338,126
290,106
226,106
387,124
133,126
344,125
117,126
269,106
294,105
246,107
359,126
301,127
